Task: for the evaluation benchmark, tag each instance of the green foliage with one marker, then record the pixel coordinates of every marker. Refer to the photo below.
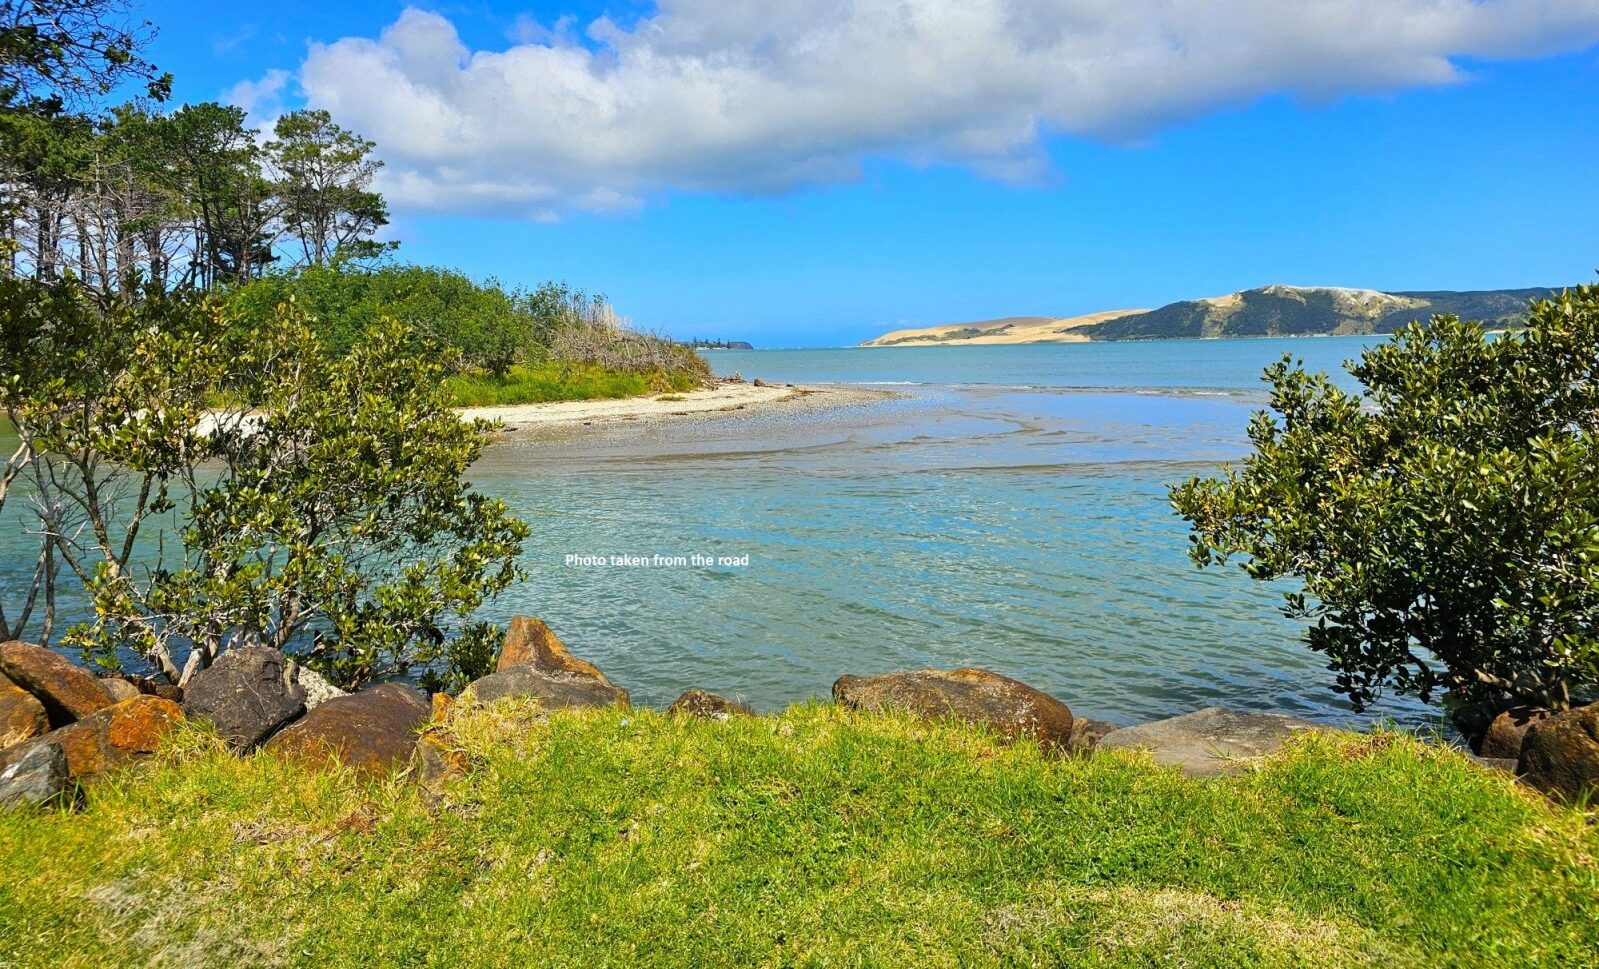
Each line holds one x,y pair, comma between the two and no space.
1445,524
322,509
324,178
487,326
813,838
470,655
503,346
561,380
58,55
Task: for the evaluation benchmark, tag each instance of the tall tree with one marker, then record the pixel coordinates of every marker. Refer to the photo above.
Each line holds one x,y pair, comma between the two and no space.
213,163
325,174
60,55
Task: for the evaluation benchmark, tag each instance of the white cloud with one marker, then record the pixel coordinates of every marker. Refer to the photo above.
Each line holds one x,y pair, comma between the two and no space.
261,100
754,96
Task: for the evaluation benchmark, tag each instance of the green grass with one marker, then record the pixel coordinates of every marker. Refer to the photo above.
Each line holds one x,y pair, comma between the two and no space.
562,381
811,838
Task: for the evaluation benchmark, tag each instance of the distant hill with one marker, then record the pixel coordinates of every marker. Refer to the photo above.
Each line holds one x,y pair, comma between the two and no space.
1267,311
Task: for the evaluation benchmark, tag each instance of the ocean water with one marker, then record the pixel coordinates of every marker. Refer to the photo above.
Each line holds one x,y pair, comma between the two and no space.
1008,509
1005,508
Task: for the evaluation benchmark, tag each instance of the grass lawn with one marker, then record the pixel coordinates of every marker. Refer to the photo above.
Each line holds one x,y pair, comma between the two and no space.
816,838
562,381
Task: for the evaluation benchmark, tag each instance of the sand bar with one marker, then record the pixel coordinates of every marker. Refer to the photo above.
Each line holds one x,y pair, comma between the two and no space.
725,397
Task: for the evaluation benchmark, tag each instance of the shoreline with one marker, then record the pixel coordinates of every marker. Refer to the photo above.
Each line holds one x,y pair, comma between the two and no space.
727,396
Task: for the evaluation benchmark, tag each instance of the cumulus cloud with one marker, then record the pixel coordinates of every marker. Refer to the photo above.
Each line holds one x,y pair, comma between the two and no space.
262,100
763,96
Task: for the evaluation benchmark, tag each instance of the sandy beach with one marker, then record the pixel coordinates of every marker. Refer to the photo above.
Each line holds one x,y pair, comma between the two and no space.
725,397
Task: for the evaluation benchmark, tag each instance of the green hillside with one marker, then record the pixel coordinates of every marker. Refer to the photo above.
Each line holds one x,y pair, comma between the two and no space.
1296,311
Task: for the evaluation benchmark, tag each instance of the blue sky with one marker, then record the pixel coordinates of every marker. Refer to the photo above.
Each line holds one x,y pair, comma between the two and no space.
844,178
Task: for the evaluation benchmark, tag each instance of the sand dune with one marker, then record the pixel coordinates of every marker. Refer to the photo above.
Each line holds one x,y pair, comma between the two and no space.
1007,330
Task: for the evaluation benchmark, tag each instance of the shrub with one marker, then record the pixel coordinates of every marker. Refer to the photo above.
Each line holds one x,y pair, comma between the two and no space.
489,328
1444,522
212,492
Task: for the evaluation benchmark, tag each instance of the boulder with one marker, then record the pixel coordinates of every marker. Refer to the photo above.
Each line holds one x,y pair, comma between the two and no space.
370,731
317,689
37,778
530,642
1472,719
108,739
1560,754
1011,709
119,689
1210,741
151,687
1086,734
554,690
436,762
247,694
1502,739
22,716
68,692
709,706
1492,763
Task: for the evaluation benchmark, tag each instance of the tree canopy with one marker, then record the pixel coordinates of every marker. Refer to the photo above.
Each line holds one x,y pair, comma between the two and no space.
1444,523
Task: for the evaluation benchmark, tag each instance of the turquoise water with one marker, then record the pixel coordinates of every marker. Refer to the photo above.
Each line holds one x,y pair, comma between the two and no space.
1007,510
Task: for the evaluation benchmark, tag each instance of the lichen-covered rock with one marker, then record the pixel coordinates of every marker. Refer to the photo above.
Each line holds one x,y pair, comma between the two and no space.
108,739
1086,734
152,687
119,689
1560,754
371,731
442,704
554,690
1210,741
709,706
530,642
22,716
317,689
437,761
37,778
1010,708
248,694
1502,740
68,692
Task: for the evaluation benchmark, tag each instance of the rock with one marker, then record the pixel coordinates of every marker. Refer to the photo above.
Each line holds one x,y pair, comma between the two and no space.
1503,737
150,687
1472,720
440,706
68,692
37,778
108,739
1010,708
247,694
22,716
119,689
710,706
317,689
1210,741
530,642
370,731
1086,734
1492,763
554,690
1560,754
758,382
436,761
